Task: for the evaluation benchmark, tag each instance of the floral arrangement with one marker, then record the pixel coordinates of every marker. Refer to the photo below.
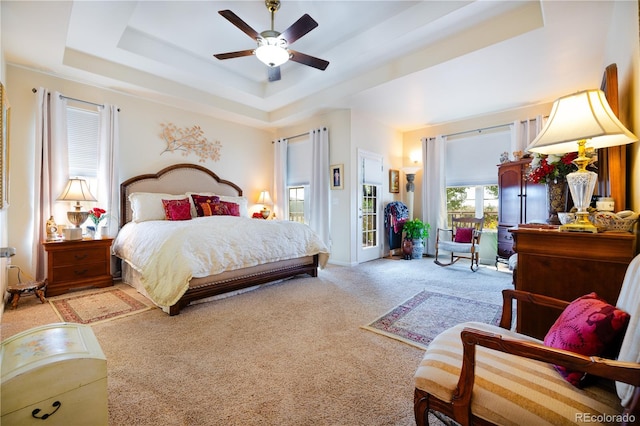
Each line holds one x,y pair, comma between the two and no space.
96,215
552,167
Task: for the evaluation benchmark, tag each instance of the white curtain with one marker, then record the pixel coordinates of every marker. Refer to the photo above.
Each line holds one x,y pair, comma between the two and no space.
319,184
434,194
524,132
108,193
280,179
50,171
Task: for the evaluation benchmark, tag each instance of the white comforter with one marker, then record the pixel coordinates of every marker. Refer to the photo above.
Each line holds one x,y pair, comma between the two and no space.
167,254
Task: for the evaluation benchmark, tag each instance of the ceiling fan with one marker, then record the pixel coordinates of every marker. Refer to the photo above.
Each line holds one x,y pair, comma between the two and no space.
273,47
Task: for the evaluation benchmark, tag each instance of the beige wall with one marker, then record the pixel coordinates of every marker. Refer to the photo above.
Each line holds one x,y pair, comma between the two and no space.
245,156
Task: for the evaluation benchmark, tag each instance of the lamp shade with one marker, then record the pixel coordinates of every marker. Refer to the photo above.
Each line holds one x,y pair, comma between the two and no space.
586,116
265,198
76,190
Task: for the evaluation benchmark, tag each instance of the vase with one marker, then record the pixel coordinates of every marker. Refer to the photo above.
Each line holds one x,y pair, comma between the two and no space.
407,248
556,200
418,248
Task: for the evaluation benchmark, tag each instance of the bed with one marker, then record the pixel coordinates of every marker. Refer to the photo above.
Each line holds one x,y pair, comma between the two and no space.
162,258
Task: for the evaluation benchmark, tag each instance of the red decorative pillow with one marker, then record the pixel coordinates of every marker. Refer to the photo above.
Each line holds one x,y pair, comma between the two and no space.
200,199
463,235
214,209
587,326
177,209
233,208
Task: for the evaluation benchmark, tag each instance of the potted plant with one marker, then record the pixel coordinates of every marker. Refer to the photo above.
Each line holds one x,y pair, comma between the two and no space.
416,231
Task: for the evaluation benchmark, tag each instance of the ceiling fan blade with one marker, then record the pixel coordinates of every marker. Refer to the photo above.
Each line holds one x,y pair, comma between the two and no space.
231,55
299,28
305,59
274,73
244,27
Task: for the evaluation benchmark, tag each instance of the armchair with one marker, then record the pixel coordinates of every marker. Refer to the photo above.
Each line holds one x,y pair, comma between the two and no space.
482,374
462,240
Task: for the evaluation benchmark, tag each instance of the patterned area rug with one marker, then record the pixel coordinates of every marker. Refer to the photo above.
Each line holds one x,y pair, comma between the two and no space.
421,318
97,307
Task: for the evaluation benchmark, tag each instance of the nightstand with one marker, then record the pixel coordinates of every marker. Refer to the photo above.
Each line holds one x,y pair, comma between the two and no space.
78,263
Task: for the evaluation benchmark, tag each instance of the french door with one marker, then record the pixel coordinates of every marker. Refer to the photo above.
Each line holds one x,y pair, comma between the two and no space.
370,234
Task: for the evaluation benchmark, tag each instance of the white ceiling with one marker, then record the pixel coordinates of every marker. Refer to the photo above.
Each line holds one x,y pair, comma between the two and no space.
409,63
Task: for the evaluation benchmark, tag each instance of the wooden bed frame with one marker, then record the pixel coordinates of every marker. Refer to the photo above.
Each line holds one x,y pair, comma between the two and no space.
181,178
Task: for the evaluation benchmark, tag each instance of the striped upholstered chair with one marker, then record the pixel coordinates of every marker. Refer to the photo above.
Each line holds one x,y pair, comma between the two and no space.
476,373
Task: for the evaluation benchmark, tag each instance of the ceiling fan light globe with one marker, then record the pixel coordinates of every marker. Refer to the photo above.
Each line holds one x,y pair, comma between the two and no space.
272,55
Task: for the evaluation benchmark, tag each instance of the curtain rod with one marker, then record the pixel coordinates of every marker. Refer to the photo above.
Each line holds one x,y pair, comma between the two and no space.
478,130
34,90
298,136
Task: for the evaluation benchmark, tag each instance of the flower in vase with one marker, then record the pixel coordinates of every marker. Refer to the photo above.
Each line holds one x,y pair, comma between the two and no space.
97,215
552,167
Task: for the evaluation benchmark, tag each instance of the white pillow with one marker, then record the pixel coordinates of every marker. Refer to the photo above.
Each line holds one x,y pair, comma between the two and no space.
241,201
148,205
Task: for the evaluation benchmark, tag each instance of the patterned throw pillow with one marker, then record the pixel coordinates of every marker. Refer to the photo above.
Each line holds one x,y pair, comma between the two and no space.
233,208
463,235
177,209
198,200
588,326
214,209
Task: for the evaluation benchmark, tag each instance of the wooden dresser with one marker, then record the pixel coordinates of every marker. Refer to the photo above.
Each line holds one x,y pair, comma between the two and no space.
521,201
78,263
567,265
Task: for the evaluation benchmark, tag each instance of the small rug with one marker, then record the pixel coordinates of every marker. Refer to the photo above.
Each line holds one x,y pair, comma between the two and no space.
97,307
421,318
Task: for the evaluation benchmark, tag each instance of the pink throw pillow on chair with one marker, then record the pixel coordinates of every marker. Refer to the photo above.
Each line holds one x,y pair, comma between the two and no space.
588,326
463,235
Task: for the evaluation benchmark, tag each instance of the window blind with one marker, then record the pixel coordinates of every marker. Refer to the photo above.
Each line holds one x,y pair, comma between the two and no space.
299,157
473,160
82,132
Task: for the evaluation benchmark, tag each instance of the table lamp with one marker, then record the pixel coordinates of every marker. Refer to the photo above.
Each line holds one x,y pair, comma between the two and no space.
265,199
583,118
76,190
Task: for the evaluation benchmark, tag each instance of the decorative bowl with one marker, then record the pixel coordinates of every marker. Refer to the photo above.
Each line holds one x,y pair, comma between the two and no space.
566,217
608,221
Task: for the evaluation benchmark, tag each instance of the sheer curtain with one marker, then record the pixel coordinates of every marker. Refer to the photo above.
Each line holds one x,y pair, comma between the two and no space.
280,179
108,193
319,184
50,170
434,194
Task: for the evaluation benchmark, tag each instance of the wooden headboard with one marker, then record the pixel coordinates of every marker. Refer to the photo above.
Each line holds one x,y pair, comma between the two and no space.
176,179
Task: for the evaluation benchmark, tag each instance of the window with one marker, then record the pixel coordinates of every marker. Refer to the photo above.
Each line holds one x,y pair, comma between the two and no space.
477,201
83,127
299,156
297,204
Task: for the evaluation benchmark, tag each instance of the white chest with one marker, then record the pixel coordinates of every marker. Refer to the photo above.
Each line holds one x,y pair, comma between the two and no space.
57,372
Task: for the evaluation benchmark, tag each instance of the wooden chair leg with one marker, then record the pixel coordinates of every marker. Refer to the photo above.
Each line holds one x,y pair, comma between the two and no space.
40,295
14,300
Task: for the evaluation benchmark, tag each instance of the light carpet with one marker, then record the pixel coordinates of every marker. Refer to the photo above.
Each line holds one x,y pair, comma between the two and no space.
97,307
420,319
286,354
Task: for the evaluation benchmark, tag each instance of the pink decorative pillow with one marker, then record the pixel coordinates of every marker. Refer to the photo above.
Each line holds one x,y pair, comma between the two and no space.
463,235
177,209
587,326
200,199
214,209
233,208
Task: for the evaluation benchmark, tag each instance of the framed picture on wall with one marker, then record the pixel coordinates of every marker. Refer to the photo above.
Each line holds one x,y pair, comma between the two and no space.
394,181
336,173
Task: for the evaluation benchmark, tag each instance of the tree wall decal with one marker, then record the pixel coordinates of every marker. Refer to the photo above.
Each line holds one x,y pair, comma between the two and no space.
190,140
